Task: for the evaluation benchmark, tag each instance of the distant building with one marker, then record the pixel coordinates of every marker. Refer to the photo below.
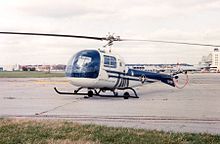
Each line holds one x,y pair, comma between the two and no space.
43,68
144,67
206,60
205,64
59,67
161,67
10,67
1,69
216,59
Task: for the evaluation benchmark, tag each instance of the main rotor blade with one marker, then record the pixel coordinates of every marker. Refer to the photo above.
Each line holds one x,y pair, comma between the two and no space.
54,35
108,38
173,42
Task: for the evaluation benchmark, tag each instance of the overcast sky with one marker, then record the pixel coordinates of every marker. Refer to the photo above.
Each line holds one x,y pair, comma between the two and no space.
176,20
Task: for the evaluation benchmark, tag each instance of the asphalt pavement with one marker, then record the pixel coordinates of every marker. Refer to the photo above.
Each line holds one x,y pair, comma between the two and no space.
196,108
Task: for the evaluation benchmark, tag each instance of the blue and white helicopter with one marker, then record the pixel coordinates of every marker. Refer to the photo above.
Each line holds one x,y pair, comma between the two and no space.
99,71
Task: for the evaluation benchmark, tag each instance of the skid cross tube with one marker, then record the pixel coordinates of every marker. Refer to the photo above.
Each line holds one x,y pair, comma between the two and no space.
130,88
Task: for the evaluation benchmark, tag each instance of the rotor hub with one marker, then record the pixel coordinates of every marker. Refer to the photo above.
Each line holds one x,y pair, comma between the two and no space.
111,38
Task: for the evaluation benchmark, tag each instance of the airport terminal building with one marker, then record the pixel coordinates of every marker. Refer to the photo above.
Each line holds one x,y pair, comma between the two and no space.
216,59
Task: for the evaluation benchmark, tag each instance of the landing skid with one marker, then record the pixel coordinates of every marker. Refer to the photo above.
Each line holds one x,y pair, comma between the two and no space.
69,93
97,93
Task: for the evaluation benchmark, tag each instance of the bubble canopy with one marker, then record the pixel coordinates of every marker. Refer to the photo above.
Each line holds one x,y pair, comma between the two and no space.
84,64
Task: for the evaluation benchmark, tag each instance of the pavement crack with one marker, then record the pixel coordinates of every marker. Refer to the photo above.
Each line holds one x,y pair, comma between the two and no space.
55,108
10,97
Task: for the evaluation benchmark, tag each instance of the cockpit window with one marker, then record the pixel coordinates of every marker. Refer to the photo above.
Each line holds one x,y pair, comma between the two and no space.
83,61
84,64
110,61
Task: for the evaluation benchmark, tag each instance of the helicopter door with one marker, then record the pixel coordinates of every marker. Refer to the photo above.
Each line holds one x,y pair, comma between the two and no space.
121,66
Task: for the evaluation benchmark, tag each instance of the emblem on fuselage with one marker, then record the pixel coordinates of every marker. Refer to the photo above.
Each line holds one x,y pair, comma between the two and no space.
143,79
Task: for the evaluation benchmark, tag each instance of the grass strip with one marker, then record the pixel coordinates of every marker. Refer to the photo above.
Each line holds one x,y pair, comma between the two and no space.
14,131
21,74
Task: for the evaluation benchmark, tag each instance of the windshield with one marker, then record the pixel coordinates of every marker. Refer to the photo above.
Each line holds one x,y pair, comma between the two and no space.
84,64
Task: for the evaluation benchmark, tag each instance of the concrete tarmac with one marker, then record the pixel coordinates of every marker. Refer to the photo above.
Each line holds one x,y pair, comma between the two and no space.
196,108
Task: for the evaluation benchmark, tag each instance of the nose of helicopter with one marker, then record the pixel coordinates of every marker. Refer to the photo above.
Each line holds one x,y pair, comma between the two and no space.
84,64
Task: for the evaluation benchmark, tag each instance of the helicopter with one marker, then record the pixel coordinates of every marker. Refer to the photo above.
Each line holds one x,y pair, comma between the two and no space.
102,70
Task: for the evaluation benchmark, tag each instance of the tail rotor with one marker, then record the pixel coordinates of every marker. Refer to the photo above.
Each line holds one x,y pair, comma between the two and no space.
180,79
